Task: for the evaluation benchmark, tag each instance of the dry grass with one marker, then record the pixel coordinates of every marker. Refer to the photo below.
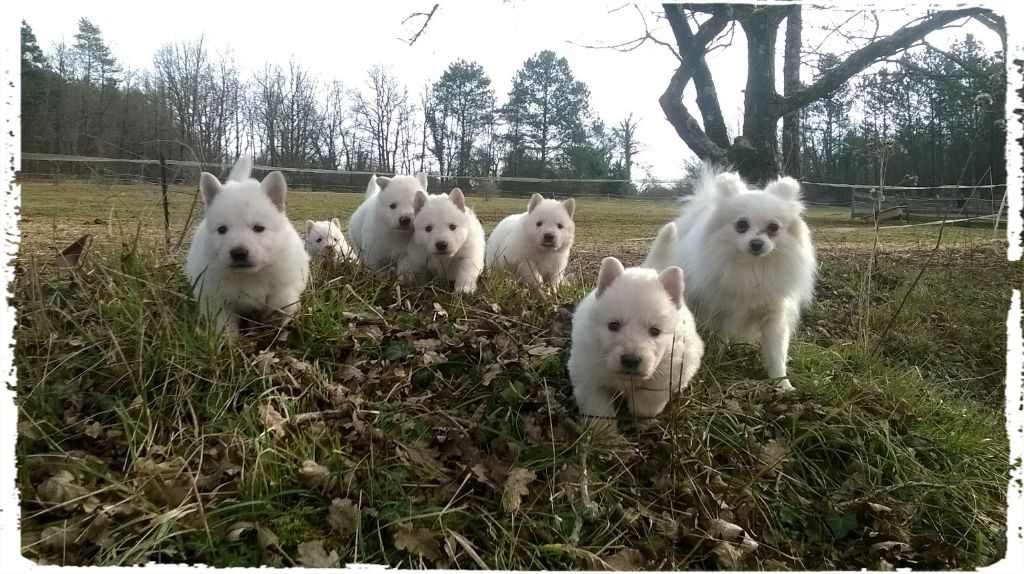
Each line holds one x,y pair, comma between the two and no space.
418,429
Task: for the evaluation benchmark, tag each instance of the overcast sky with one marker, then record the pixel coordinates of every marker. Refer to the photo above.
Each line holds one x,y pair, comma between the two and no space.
342,42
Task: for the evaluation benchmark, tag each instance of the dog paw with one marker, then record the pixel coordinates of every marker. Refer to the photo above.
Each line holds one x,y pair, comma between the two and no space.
784,386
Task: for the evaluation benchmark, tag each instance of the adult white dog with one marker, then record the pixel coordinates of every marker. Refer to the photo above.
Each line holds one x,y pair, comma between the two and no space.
633,337
246,259
749,262
382,225
535,244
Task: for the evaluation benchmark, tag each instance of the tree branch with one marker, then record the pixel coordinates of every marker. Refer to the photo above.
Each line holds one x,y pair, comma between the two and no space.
426,23
707,95
690,49
864,57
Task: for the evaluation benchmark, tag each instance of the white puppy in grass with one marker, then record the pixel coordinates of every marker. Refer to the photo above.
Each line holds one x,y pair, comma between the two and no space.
749,262
246,259
536,243
448,242
632,337
382,226
324,240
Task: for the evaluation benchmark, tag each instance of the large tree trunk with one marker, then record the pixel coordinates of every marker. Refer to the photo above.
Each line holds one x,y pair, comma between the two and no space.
791,158
757,158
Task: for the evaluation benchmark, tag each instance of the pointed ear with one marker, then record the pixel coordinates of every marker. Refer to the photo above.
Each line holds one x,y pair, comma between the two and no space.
209,185
275,187
336,223
728,184
570,206
672,280
458,199
309,225
381,183
611,269
373,186
786,188
422,178
535,200
418,201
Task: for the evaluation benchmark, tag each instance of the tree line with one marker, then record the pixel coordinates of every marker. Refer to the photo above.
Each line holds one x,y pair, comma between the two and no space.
194,103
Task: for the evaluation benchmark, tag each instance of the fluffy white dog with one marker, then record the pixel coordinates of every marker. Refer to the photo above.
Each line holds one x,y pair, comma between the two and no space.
634,337
749,262
325,240
382,226
536,243
448,241
246,259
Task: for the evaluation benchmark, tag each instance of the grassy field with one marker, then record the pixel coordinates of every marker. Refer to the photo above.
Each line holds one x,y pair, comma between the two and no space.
413,428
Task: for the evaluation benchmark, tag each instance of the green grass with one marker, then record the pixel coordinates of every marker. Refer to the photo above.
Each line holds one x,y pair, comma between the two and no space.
391,422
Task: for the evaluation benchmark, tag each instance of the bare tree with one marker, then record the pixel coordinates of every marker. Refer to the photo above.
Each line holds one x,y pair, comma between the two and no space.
755,152
380,114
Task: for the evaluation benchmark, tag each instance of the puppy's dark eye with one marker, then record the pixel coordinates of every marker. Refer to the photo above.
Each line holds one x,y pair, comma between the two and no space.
654,331
393,205
452,226
742,226
258,228
539,223
222,229
773,228
428,228
614,326
319,239
559,225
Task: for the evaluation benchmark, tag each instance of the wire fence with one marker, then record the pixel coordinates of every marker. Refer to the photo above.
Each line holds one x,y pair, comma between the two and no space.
181,177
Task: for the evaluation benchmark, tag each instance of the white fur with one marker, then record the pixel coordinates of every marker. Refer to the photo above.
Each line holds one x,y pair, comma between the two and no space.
732,290
376,229
536,243
636,300
273,274
448,242
325,240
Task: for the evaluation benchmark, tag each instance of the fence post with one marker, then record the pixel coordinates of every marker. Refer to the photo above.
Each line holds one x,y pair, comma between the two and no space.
167,213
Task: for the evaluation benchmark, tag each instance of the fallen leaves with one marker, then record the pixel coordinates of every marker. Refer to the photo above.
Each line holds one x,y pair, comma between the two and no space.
311,554
272,419
516,488
417,541
343,516
313,475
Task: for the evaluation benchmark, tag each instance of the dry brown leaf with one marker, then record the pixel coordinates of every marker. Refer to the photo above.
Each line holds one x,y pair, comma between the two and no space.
515,488
60,488
427,344
312,475
238,529
626,560
424,458
59,537
417,541
273,419
343,516
542,350
311,554
773,454
350,374
267,539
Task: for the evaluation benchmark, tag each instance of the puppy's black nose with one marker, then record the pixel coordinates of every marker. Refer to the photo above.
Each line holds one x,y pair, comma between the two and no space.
756,245
239,254
549,238
631,362
404,221
442,246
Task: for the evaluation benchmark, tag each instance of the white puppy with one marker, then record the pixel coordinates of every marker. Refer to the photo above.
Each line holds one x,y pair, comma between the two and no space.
382,226
246,259
632,336
448,241
749,262
325,240
536,243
